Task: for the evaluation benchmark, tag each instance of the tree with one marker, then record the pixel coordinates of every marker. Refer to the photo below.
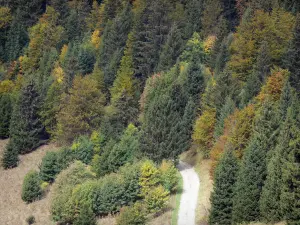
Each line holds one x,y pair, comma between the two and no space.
132,215
26,129
31,189
81,109
86,216
10,157
49,167
194,9
5,114
156,199
253,170
83,149
292,58
224,183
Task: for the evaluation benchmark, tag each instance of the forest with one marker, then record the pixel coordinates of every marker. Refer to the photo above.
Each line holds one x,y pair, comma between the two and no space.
124,87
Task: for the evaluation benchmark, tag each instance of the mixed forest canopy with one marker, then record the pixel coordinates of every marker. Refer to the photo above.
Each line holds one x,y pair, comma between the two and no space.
126,86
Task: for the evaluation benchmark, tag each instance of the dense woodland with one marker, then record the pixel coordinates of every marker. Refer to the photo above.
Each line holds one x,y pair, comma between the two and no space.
126,86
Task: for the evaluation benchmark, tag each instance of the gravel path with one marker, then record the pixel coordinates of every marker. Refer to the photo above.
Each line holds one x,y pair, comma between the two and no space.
189,195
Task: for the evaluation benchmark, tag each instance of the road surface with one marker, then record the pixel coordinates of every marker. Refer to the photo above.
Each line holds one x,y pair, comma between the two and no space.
188,201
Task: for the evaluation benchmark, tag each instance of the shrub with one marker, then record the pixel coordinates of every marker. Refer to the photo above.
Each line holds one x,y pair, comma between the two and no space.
169,176
49,167
83,149
156,199
30,220
85,216
132,215
65,157
149,177
63,188
31,189
10,157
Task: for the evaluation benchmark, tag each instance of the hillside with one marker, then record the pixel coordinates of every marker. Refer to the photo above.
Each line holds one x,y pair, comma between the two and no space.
122,90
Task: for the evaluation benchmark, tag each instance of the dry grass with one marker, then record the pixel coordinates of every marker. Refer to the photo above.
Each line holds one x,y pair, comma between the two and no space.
13,211
108,220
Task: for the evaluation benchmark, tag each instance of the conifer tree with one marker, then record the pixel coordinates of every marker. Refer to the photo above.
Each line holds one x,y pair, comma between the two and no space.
222,195
253,170
225,111
290,164
194,11
26,129
5,114
292,59
10,156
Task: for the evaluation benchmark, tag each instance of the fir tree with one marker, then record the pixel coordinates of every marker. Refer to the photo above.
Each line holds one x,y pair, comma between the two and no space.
10,156
253,170
26,129
194,11
49,167
5,114
292,59
222,195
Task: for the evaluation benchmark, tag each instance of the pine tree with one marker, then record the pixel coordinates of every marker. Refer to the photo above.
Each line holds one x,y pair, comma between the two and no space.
222,195
292,59
253,170
5,114
194,11
26,129
49,167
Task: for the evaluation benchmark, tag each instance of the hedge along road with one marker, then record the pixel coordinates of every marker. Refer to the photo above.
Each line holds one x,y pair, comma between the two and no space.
189,197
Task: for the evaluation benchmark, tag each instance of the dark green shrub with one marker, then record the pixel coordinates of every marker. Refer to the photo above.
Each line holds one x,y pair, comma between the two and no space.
49,167
30,220
31,189
83,149
65,157
132,215
10,157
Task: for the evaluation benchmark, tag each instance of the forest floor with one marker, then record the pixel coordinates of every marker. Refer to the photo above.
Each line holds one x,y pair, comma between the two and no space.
13,211
189,197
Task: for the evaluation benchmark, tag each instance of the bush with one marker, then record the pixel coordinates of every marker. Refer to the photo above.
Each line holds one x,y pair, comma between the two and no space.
31,189
86,216
10,157
83,149
66,181
49,167
169,176
65,157
30,220
149,177
156,199
132,215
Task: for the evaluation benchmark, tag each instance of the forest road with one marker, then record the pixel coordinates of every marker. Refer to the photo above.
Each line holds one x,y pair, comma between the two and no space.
189,197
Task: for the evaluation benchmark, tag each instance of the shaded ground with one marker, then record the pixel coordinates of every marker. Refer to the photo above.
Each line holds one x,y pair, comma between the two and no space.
13,211
189,197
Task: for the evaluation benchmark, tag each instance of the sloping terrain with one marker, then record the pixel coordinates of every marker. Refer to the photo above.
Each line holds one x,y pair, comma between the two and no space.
13,211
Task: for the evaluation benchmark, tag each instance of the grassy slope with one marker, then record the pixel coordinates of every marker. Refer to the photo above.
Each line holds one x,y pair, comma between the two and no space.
12,209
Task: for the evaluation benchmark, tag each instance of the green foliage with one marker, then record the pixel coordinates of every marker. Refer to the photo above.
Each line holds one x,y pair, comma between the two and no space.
10,156
83,149
49,167
150,177
5,114
26,129
132,215
222,196
66,181
85,217
156,199
169,176
31,189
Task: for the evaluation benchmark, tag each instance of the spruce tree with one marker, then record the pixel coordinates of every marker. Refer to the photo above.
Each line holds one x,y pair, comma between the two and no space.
253,169
222,196
49,167
290,167
10,156
225,111
5,114
292,59
194,11
26,129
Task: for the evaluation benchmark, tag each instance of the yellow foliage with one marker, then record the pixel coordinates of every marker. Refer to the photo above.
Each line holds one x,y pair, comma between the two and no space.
204,130
6,86
5,17
63,53
96,39
276,28
149,177
58,73
273,88
209,43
